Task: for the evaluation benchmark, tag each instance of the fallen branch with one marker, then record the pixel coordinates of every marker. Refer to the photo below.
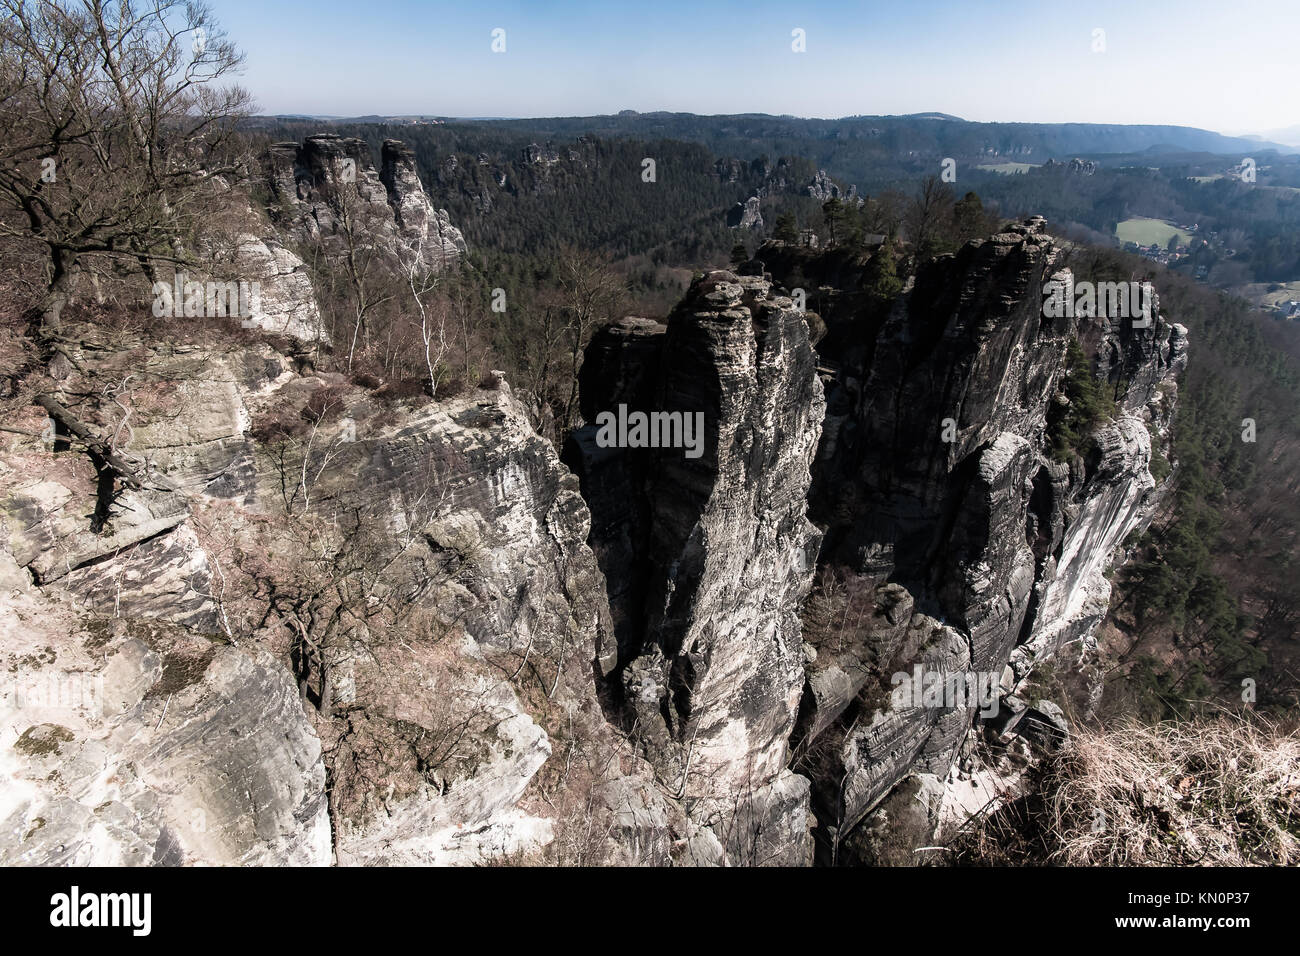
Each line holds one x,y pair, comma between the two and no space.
102,452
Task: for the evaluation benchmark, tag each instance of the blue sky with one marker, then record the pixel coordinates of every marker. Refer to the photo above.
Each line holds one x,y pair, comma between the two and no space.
1229,66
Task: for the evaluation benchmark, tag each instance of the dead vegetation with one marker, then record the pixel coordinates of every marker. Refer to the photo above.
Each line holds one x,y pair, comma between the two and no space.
1221,791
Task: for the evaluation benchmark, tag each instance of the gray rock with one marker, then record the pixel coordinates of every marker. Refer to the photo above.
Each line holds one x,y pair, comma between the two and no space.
725,553
746,215
393,212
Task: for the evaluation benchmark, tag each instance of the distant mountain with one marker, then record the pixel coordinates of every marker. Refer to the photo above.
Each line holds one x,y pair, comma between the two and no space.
1289,135
910,134
933,116
955,136
872,151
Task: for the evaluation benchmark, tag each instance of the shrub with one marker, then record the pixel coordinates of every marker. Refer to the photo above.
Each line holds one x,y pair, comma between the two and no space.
1221,791
277,425
325,404
401,390
450,387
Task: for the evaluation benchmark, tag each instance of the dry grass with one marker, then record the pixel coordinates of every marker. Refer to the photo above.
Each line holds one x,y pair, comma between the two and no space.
1222,791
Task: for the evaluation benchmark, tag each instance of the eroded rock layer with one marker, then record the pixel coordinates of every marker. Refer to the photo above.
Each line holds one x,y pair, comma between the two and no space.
328,187
709,660
956,541
437,644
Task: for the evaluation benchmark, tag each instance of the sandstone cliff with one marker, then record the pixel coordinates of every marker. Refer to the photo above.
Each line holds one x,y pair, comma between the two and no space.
709,661
328,186
436,643
967,550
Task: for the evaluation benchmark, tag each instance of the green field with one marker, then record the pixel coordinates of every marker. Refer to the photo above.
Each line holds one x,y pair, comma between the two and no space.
1008,169
1146,231
1257,293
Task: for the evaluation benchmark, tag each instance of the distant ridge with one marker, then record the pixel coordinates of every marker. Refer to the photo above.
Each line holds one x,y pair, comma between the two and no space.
954,136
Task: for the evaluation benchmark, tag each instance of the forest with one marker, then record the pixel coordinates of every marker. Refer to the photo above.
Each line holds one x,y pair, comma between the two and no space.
1209,598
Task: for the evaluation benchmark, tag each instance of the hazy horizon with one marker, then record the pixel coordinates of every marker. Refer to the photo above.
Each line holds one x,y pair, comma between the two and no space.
1194,64
1293,132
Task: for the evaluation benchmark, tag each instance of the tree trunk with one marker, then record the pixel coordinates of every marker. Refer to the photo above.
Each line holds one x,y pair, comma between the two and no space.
59,293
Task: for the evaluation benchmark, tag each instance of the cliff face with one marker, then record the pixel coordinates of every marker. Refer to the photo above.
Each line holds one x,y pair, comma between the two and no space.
709,660
328,186
205,606
967,550
132,742
438,644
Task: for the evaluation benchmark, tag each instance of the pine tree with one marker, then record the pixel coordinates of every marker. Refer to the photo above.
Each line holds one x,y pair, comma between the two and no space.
1071,423
787,228
880,280
833,213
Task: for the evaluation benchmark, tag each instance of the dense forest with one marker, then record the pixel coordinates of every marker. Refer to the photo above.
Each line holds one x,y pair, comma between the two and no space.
1209,599
556,172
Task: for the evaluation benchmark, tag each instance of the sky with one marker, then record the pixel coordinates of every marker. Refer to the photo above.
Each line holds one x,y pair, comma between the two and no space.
1225,65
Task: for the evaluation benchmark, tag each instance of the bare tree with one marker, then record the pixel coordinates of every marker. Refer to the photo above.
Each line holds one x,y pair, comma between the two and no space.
366,267
592,294
112,128
422,283
929,218
885,212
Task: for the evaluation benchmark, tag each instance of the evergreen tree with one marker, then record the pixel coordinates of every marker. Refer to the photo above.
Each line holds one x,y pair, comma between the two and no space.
1070,423
881,280
787,228
833,214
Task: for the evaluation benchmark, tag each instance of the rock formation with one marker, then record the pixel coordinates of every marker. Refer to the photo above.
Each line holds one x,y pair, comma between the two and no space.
132,742
709,660
746,215
1084,167
822,187
1003,547
328,185
491,656
973,552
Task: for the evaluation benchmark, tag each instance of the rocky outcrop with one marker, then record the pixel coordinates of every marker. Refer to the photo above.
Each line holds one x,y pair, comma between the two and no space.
746,215
286,304
677,650
460,519
823,188
935,478
709,662
129,743
469,816
328,186
1083,167
421,225
956,545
